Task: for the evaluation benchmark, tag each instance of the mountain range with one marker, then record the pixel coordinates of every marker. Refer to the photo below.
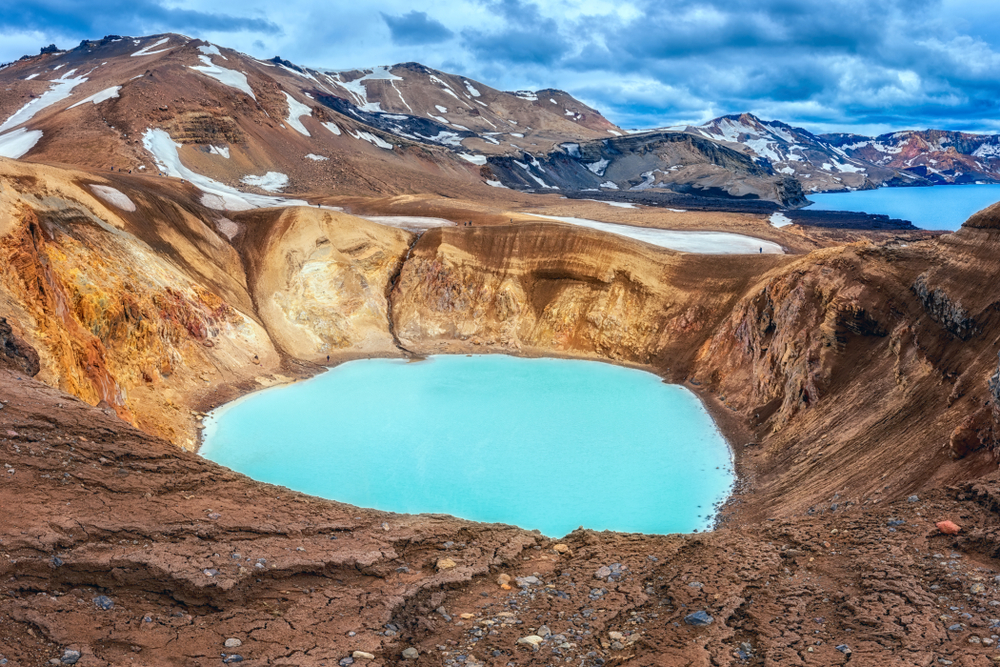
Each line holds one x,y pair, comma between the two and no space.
229,122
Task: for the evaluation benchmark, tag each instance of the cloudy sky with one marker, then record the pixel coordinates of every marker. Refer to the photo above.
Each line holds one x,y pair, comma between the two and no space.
828,65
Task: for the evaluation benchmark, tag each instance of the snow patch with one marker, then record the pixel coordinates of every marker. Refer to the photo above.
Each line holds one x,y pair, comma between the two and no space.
227,227
780,219
97,98
441,108
497,184
31,76
219,150
17,143
598,167
317,158
60,90
217,195
372,139
295,111
146,51
114,197
272,181
472,91
474,159
609,185
710,243
360,92
228,77
413,223
573,150
211,50
332,127
526,95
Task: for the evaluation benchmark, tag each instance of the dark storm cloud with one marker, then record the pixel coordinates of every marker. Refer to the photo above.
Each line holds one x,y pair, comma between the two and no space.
131,17
525,36
416,28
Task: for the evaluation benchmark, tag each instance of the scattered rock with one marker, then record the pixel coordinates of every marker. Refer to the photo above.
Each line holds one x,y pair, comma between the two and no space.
912,499
560,548
70,657
346,662
233,642
695,584
361,655
543,631
412,653
524,582
231,658
57,561
530,640
948,527
698,618
978,589
615,636
603,572
104,602
844,648
445,564
467,616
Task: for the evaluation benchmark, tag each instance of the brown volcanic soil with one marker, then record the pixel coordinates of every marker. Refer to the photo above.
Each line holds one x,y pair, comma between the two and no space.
863,373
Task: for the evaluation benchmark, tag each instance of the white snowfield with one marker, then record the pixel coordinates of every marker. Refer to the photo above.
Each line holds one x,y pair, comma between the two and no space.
413,223
217,195
228,77
17,143
272,181
97,98
332,127
114,197
474,159
372,139
295,111
704,243
317,158
780,220
211,50
146,50
358,90
60,90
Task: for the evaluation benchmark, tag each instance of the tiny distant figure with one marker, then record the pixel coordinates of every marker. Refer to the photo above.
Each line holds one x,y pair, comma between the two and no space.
762,251
255,357
512,221
328,358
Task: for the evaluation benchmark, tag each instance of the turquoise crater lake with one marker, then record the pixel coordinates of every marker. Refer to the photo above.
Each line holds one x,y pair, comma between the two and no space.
548,444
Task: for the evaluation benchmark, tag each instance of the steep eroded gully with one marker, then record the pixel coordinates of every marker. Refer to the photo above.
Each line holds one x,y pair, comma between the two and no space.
391,288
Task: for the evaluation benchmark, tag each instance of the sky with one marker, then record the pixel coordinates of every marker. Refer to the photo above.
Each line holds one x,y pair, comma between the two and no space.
866,66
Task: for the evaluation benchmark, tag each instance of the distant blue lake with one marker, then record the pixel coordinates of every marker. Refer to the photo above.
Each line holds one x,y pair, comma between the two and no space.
937,207
551,444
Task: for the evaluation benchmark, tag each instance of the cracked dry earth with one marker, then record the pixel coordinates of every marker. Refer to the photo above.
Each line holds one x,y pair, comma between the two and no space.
131,552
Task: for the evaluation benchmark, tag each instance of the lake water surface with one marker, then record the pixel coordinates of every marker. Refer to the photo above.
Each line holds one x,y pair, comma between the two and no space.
937,207
551,444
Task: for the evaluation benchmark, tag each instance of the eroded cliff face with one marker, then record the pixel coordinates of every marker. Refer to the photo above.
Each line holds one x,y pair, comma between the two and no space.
556,288
321,281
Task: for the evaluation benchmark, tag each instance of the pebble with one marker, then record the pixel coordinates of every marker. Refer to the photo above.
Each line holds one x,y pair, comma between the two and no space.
70,657
978,589
695,584
445,564
361,655
844,648
411,653
503,579
698,618
57,561
104,602
615,636
233,642
527,581
232,657
530,640
543,631
346,662
912,499
603,572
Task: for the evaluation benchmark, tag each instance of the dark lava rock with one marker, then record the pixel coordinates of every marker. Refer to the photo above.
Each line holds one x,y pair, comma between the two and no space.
698,618
57,561
70,657
844,648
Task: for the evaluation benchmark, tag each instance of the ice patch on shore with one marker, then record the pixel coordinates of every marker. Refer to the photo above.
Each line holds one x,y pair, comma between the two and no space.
217,195
17,143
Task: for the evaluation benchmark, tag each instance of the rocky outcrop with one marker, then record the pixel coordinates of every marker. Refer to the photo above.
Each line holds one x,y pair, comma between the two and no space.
15,352
943,309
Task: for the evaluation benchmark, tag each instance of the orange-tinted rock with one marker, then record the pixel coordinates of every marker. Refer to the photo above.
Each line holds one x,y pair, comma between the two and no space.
948,527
